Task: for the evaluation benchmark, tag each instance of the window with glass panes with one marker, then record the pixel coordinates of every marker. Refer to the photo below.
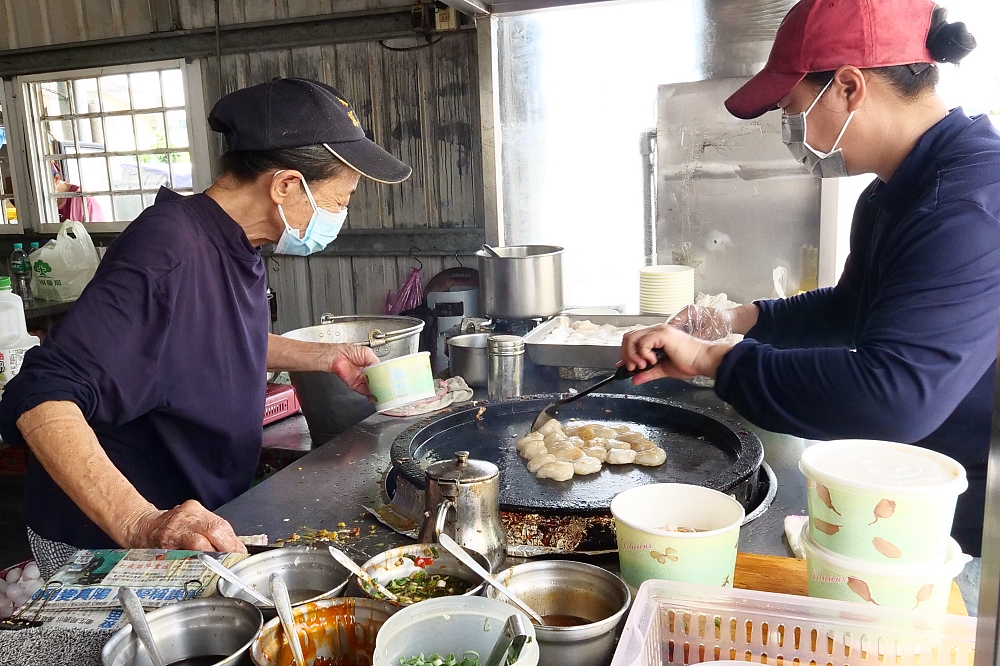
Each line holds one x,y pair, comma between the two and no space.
108,141
8,212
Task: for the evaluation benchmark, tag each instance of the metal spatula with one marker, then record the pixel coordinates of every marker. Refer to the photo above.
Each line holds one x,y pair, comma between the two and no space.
621,373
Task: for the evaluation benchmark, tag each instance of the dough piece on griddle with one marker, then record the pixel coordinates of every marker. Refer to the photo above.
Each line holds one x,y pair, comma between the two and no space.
620,456
554,437
533,448
578,442
559,470
616,444
633,437
585,432
605,431
568,452
622,429
550,427
539,461
653,457
598,452
530,437
586,465
643,445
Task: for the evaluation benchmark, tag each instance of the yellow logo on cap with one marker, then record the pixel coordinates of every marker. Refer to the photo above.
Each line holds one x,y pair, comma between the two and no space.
350,112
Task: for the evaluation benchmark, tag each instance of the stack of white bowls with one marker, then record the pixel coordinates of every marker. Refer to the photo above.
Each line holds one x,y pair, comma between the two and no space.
665,289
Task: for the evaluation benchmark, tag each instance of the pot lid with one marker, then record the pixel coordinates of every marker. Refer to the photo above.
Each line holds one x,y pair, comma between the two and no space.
462,470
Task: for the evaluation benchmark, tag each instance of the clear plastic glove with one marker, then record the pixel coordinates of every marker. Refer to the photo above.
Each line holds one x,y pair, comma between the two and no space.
704,323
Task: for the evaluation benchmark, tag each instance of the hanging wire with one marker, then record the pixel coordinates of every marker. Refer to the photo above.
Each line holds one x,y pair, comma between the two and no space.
459,260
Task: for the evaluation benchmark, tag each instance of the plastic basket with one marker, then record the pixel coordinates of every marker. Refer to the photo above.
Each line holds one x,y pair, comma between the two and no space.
681,623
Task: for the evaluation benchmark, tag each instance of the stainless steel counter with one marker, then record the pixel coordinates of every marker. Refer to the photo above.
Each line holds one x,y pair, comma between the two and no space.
332,483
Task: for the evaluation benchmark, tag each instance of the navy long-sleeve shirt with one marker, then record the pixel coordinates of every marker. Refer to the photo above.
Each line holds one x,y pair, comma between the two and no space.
165,353
904,347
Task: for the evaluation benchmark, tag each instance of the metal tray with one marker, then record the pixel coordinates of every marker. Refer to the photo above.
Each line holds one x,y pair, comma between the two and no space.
581,356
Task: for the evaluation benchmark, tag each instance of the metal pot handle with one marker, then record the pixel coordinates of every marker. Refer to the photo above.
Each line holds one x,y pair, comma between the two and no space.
442,516
379,343
327,318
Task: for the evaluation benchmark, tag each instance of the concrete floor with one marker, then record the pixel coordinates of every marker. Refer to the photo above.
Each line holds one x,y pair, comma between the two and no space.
13,539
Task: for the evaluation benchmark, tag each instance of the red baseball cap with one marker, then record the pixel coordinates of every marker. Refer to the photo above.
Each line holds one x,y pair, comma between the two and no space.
822,35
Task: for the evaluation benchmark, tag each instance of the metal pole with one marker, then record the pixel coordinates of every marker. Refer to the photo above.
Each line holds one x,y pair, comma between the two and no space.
987,636
647,148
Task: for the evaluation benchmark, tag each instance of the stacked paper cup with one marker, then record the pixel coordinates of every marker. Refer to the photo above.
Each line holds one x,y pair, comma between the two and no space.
880,516
665,289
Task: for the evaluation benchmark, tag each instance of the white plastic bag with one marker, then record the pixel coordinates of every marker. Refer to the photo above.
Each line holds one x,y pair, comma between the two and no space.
64,266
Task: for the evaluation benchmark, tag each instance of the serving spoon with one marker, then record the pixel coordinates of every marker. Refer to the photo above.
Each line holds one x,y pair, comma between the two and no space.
549,411
137,618
452,547
220,569
490,251
280,595
362,575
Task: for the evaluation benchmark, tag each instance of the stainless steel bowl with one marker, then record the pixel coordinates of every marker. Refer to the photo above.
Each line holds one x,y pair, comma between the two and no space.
342,631
189,629
561,587
310,574
400,562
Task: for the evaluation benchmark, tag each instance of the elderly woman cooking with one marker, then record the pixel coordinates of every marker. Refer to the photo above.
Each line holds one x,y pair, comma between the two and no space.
904,347
143,407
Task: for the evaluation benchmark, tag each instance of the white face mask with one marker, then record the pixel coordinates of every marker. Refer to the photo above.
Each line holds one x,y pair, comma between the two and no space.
322,229
793,135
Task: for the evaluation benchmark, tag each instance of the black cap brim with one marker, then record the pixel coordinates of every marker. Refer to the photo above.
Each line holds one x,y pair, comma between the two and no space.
370,160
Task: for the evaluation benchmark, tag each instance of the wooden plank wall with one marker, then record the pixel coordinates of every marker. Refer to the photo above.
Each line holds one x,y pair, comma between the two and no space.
26,23
422,106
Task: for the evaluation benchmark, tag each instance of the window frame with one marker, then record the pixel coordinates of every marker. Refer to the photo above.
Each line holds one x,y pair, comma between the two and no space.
44,216
15,155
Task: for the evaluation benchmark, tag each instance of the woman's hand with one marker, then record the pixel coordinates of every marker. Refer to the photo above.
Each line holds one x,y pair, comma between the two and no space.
188,526
347,362
710,323
687,356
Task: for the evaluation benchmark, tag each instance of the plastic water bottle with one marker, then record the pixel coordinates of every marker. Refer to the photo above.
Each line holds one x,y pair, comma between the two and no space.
20,273
14,338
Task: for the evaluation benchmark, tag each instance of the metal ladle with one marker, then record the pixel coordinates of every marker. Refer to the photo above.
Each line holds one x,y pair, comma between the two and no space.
490,251
452,547
349,564
280,595
137,618
220,569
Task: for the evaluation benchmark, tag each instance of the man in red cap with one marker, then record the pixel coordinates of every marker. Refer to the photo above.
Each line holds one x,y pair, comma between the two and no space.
904,347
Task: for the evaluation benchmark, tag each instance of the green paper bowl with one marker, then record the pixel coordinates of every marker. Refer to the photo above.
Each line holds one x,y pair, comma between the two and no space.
881,502
923,587
649,547
400,381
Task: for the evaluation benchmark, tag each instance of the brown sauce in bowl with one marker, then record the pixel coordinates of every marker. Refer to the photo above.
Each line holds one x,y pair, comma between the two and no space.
564,620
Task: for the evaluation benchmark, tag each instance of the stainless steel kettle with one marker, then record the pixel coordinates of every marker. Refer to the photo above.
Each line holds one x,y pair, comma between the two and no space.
462,500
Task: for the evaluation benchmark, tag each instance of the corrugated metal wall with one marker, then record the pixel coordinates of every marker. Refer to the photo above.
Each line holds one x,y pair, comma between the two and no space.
421,105
25,23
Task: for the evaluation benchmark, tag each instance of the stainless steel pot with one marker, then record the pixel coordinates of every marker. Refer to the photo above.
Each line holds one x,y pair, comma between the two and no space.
563,587
196,628
329,406
467,358
524,282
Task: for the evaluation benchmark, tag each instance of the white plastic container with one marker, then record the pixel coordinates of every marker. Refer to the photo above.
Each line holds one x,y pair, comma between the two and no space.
881,502
923,587
449,625
681,623
14,338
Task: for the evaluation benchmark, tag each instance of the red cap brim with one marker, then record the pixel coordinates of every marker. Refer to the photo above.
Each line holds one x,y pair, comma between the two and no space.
761,94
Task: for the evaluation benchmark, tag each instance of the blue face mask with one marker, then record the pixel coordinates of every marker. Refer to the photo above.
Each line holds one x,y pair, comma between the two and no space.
322,229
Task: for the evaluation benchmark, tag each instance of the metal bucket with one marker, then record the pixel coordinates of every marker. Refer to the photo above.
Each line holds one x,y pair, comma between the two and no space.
467,358
329,406
524,282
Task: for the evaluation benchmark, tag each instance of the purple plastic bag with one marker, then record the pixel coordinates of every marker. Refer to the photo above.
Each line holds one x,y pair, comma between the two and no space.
409,296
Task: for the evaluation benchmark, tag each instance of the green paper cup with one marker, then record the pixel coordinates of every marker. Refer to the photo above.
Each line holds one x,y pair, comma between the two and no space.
923,587
400,381
650,545
881,502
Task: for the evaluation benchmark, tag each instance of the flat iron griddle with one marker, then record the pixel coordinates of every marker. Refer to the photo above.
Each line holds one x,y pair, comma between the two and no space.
702,448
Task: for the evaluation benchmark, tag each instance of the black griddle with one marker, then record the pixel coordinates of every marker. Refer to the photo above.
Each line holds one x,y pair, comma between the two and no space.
702,447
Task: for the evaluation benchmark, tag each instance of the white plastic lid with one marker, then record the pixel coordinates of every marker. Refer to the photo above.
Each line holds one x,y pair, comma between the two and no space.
874,465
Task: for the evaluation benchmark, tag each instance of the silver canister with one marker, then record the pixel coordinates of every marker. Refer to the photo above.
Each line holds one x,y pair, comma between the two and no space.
506,358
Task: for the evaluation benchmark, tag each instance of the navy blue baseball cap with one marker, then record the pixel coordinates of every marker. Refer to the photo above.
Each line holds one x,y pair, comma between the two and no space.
293,113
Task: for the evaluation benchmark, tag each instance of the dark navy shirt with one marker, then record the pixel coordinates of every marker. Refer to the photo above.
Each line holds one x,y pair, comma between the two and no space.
904,347
165,353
